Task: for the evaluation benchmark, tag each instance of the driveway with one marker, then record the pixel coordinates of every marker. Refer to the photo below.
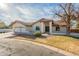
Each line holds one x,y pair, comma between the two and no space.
15,47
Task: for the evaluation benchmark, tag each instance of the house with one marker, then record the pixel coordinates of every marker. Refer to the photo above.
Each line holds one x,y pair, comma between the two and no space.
43,25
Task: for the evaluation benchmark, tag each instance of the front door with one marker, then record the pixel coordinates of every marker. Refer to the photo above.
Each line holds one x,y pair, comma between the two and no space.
47,29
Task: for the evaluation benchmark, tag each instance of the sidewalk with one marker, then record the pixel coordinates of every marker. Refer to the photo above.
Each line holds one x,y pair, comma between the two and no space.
3,35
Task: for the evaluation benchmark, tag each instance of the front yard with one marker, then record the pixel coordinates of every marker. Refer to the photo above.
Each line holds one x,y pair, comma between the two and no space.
66,43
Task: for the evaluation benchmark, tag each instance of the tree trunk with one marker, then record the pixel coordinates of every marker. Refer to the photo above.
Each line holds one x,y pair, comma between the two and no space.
68,30
68,26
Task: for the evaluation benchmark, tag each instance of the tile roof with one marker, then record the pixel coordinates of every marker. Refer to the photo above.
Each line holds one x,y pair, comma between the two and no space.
55,23
60,23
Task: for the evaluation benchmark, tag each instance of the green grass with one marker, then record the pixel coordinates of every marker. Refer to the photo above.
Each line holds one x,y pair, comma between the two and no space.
74,37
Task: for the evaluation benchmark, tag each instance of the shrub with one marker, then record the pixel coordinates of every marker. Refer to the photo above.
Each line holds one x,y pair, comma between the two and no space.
37,34
74,30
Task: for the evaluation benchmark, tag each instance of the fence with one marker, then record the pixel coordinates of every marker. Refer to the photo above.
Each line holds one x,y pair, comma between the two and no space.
5,30
74,30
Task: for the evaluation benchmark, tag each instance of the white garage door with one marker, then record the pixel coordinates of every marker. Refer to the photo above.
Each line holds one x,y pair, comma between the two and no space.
22,31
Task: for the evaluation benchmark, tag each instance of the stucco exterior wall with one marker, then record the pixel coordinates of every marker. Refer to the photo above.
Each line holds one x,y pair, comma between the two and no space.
62,30
36,24
28,28
41,25
19,25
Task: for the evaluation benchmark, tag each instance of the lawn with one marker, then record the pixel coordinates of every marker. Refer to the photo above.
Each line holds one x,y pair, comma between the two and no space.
66,43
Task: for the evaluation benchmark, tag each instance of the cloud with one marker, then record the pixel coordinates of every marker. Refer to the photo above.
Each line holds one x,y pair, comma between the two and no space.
4,7
30,12
26,11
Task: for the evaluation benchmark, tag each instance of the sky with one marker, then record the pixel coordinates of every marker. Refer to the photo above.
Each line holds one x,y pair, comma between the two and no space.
27,12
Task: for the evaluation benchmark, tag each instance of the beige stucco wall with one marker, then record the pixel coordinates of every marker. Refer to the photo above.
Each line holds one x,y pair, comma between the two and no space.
34,26
19,25
62,30
52,28
16,25
29,28
41,26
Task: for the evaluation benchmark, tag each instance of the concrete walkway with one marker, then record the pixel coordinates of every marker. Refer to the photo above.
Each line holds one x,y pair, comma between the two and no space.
3,35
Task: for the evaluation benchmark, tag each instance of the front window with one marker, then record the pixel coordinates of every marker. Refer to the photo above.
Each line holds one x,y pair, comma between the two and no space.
73,24
37,28
57,28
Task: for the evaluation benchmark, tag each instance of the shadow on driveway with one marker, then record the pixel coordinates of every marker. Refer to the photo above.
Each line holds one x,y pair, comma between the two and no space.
26,36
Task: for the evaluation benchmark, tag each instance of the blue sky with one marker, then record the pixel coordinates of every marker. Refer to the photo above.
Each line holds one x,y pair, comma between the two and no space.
27,12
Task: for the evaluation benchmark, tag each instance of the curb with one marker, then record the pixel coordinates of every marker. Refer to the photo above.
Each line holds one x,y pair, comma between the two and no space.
53,48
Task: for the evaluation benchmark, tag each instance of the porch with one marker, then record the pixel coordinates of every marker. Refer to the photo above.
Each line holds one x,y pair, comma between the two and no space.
46,27
50,28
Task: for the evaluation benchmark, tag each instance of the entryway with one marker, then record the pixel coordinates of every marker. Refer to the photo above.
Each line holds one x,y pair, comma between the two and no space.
46,29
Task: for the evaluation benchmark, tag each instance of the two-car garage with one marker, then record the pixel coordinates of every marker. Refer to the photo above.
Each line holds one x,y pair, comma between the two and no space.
21,30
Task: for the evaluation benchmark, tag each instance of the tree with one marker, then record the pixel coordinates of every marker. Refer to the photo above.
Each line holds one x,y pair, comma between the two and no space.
78,26
2,25
66,13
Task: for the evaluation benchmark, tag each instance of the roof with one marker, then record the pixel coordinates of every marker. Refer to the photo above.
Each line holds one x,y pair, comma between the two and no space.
55,23
60,23
24,23
31,23
43,20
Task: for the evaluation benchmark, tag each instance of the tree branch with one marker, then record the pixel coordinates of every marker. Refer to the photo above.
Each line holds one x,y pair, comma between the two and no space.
58,15
64,9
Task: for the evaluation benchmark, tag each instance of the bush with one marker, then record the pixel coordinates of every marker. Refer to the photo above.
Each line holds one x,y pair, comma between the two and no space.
74,30
37,34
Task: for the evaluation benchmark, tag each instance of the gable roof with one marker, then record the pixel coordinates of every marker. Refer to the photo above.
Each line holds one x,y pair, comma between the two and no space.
24,23
30,23
43,20
60,23
55,23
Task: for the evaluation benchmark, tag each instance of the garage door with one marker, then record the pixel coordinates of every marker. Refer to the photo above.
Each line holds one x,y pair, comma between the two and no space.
22,31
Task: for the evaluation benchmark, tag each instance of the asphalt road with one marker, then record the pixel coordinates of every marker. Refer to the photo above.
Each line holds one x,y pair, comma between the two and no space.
16,47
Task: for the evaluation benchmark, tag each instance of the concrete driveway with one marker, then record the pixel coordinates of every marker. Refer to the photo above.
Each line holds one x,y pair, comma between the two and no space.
15,47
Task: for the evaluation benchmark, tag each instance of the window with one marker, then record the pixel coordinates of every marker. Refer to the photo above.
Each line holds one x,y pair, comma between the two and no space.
57,28
37,28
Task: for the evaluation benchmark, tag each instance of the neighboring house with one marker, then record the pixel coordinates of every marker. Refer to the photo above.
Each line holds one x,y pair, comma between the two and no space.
43,25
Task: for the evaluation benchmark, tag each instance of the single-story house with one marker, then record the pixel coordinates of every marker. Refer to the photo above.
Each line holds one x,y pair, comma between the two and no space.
43,25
